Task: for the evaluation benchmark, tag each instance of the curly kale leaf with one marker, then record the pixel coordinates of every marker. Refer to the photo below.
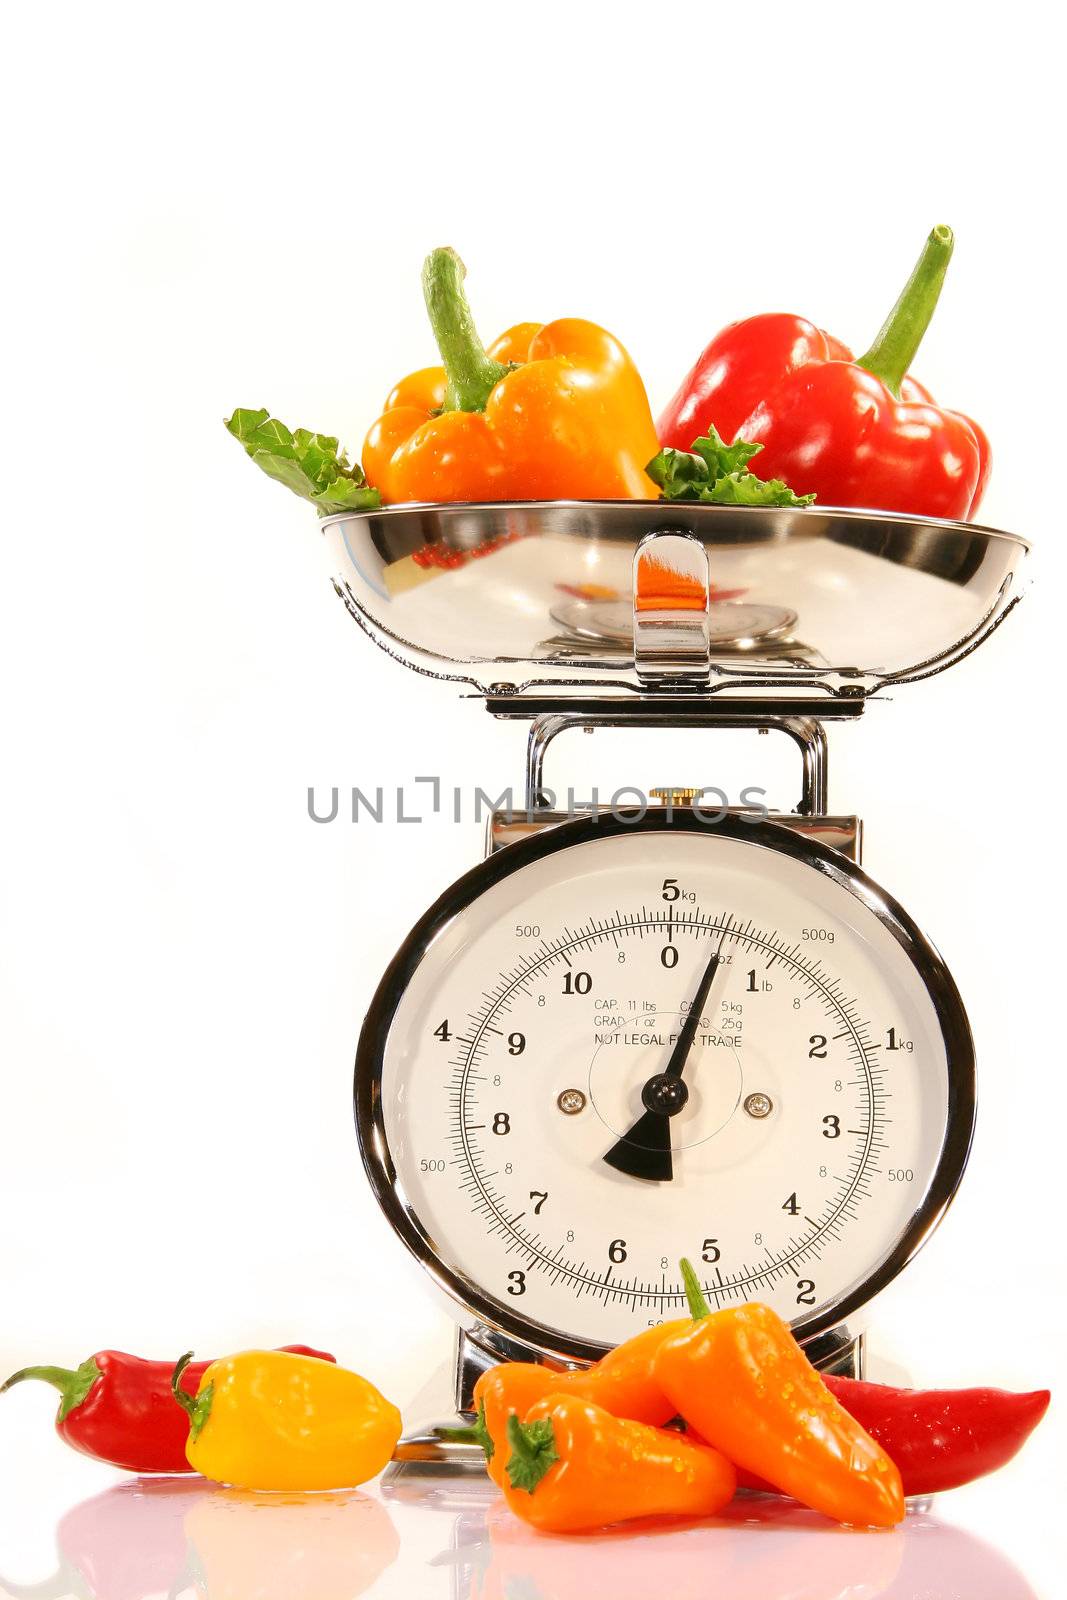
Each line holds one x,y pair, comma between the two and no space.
717,473
312,465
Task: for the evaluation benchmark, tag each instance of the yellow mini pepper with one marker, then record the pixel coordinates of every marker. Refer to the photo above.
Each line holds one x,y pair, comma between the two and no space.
267,1420
553,412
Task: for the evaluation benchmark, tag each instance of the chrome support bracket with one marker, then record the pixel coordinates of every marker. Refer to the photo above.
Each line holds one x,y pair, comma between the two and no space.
806,732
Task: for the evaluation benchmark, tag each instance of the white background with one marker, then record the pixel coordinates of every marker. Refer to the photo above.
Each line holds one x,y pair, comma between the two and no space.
223,205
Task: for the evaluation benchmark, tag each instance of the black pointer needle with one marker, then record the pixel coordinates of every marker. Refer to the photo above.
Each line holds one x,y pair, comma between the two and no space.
644,1151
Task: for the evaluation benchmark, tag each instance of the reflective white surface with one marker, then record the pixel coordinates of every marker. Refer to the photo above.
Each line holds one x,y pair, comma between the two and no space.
454,1539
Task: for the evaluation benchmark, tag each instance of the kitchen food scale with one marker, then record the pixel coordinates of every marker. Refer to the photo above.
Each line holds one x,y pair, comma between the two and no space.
665,1028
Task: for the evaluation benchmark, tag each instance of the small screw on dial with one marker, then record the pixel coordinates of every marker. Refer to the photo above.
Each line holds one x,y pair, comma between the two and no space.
665,1095
571,1101
758,1105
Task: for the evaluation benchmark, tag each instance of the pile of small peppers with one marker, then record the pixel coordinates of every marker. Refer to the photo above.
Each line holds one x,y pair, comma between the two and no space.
558,411
669,1424
674,1421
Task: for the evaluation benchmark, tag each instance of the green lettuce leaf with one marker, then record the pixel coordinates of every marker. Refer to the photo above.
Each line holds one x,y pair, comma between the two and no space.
312,465
717,473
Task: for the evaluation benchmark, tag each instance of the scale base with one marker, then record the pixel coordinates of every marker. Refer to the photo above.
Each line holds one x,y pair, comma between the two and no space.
425,1453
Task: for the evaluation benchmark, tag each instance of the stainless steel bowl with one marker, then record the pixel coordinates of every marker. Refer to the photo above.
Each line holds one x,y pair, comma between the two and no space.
524,595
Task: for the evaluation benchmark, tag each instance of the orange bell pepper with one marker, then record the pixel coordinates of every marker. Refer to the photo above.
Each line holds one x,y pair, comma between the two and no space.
553,412
574,1467
742,1381
622,1382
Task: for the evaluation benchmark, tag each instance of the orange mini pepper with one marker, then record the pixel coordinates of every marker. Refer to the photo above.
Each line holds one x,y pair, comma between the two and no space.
574,1467
742,1381
622,1382
553,412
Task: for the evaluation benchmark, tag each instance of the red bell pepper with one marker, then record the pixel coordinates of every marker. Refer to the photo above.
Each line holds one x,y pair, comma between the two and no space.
912,389
120,1409
854,433
938,1438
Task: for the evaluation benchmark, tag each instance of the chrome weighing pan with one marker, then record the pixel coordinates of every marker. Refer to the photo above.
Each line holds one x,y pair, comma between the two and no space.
649,596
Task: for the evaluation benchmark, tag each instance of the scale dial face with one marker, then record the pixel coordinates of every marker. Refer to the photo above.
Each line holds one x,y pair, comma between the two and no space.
549,1136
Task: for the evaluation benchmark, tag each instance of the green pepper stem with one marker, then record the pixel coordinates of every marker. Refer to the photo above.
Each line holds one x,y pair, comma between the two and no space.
533,1451
698,1305
893,351
186,1401
73,1383
478,1434
60,1378
198,1407
472,374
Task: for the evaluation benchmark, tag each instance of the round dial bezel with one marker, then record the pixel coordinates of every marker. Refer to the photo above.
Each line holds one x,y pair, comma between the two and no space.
482,1310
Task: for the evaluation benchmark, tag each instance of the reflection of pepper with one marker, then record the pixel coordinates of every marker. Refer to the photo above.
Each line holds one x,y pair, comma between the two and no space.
754,1550
268,1420
569,421
573,1467
270,1547
120,1409
854,433
448,557
622,1382
746,1386
660,588
125,1544
939,1438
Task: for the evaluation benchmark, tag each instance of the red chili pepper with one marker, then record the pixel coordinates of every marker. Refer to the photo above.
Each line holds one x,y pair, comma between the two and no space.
853,433
120,1409
939,1438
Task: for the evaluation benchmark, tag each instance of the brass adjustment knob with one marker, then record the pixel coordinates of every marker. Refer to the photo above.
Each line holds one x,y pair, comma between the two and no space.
674,797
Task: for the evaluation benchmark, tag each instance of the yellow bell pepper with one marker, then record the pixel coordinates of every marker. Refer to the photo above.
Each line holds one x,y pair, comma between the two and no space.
267,1420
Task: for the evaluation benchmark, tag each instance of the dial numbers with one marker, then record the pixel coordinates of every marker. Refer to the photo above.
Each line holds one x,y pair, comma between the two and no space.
794,1113
628,1045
